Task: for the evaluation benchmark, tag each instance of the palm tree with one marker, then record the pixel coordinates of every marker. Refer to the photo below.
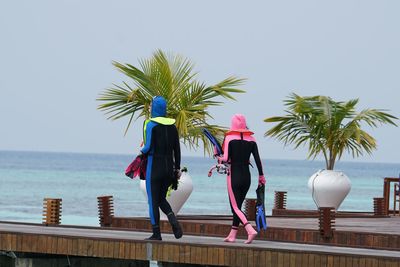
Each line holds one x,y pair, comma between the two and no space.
329,127
172,77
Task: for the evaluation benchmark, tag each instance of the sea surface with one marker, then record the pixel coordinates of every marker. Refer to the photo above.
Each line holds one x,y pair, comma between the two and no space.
26,178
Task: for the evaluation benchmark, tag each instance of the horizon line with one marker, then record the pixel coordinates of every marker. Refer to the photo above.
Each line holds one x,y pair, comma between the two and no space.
190,156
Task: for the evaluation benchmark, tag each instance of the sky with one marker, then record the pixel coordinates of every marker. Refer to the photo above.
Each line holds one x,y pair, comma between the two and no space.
55,60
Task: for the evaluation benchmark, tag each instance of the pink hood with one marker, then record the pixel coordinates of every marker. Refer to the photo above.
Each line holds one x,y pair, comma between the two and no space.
238,125
238,131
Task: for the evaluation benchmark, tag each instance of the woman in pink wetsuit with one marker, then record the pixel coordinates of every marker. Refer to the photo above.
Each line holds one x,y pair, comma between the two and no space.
238,145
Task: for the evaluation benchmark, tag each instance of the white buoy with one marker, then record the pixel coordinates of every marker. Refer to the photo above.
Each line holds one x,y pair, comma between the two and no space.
178,197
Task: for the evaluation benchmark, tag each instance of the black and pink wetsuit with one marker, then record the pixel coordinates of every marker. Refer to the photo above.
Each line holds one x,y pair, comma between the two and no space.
238,146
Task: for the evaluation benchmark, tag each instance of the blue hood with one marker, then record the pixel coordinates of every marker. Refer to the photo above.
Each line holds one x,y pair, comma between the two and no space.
158,107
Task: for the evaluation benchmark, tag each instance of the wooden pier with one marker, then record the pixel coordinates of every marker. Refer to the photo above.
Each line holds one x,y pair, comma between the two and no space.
112,243
376,233
293,238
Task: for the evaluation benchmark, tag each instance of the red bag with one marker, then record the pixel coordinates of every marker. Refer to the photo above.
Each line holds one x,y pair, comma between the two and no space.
137,167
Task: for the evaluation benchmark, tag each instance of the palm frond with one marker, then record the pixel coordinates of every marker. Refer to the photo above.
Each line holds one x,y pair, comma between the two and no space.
172,77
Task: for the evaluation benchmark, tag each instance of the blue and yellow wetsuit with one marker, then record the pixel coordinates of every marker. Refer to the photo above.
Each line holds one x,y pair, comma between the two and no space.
164,155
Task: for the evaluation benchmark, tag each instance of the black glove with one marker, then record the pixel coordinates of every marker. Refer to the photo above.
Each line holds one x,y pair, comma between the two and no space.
174,184
177,175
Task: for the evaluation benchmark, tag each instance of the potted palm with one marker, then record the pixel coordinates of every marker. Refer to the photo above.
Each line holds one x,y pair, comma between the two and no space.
189,100
329,128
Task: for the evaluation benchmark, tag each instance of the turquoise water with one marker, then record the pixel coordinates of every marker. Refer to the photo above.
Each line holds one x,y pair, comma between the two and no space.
28,177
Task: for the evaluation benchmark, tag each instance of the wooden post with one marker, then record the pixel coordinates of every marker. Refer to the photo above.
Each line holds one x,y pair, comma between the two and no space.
326,221
106,210
280,200
250,208
52,211
379,206
386,193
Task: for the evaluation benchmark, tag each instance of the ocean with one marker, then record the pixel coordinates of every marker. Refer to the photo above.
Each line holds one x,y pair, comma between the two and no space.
26,178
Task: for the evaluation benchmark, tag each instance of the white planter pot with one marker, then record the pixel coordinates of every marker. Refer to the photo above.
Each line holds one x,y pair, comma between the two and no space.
178,197
329,188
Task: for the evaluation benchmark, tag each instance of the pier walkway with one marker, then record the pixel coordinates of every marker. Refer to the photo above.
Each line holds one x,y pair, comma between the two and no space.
205,250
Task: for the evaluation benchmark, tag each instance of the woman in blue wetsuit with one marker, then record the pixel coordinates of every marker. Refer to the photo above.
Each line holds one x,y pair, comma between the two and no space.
163,166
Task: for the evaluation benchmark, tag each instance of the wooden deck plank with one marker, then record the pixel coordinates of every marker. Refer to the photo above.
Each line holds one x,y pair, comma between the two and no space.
55,244
181,251
60,247
173,256
139,251
253,257
3,240
221,256
368,262
110,250
90,247
187,254
177,254
116,250
245,255
212,255
101,246
69,246
304,259
170,249
64,242
336,261
197,253
132,251
25,243
311,260
274,258
165,253
268,258
216,254
8,241
19,242
236,257
193,256
281,257
324,260
254,260
349,262
292,261
299,257
121,252
317,261
161,251
127,252
204,255
82,247
14,242
331,261
362,261
342,261
260,259
356,262
187,249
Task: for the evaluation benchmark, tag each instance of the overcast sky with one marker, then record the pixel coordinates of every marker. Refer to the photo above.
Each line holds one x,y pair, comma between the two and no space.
55,58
